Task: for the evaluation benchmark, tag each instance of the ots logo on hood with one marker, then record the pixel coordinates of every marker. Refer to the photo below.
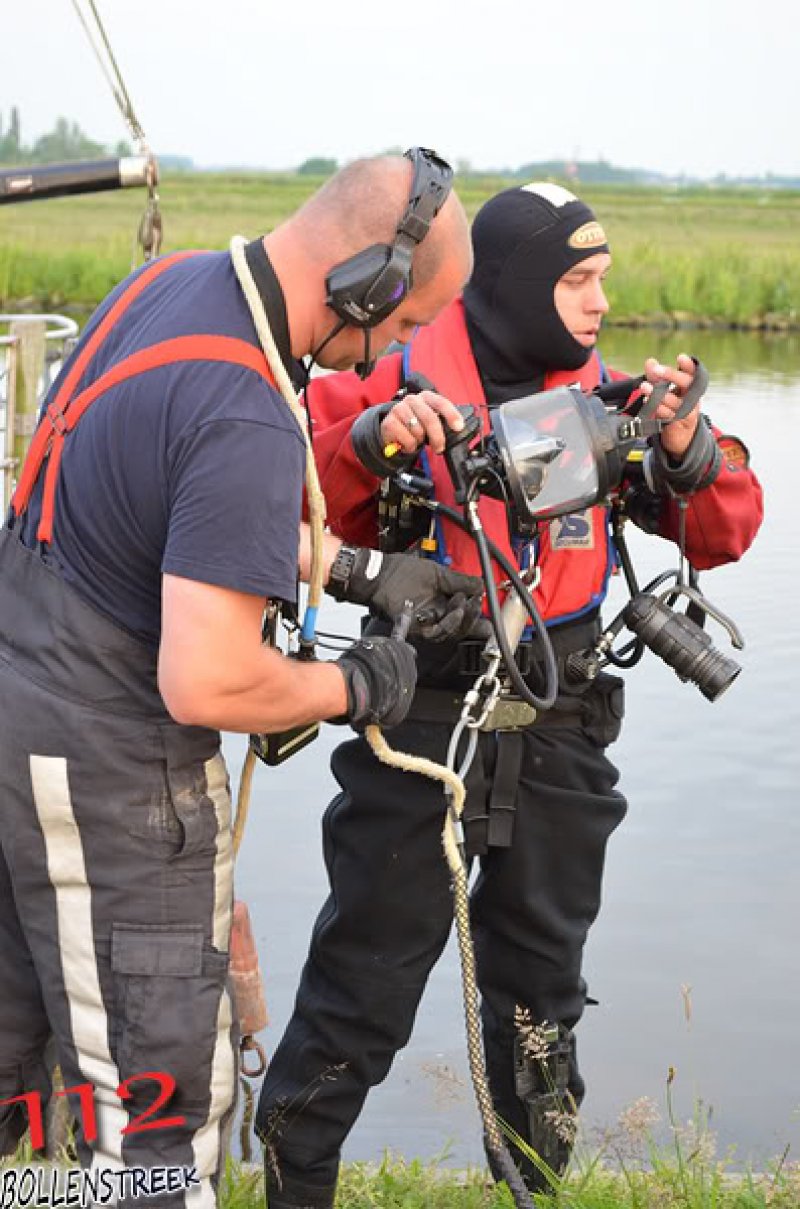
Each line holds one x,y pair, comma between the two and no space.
590,235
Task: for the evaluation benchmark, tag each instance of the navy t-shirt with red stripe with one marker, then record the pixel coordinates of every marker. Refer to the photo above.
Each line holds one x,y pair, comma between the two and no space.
194,469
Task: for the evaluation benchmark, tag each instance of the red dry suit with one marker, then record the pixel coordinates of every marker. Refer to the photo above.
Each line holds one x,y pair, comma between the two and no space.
575,555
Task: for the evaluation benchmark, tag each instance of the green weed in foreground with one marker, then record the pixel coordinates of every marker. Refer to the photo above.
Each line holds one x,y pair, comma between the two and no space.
627,1168
688,1181
694,256
627,1171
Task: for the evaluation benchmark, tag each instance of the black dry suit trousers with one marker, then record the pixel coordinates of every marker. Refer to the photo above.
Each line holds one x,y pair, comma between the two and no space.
115,892
389,915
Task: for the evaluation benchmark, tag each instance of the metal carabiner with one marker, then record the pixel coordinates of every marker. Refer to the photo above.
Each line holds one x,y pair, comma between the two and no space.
151,226
489,684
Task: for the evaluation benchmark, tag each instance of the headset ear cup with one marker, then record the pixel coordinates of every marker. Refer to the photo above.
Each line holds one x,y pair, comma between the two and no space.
392,284
367,287
349,283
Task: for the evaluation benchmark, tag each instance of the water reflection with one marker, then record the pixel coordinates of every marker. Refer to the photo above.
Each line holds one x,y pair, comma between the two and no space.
701,889
727,354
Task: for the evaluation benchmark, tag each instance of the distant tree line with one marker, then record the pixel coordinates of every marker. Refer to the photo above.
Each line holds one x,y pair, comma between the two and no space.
318,165
585,172
66,141
576,173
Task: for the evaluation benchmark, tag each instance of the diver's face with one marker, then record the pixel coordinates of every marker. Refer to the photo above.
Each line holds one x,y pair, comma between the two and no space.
580,299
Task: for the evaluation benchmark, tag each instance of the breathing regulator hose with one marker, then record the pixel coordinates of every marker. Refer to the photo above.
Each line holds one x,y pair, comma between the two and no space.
517,585
486,551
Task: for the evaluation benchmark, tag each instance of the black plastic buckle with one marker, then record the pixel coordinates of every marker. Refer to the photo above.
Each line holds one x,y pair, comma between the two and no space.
472,664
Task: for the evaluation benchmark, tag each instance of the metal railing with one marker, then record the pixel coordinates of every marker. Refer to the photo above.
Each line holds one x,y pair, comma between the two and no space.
32,348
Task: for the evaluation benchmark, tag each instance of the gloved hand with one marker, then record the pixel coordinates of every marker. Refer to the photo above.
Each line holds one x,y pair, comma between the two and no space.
381,674
447,604
451,618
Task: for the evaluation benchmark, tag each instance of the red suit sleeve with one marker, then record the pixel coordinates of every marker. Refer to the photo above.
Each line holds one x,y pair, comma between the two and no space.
334,401
723,518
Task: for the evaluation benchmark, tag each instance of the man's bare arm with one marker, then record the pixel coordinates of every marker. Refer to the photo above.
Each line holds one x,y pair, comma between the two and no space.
213,669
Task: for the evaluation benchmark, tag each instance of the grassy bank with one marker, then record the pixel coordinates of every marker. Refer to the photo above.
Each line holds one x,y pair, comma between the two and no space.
396,1184
694,1183
642,1161
681,257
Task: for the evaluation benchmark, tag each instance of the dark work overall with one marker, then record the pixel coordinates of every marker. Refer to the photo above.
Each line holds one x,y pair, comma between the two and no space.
116,870
390,912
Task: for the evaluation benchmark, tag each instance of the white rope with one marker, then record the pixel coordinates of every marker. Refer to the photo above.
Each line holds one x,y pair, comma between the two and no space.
451,781
316,499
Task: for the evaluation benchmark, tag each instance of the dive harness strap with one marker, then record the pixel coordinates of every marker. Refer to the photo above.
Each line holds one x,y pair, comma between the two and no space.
496,829
509,714
492,801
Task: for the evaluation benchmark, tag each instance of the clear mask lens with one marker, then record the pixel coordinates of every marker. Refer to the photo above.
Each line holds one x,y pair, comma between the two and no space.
550,446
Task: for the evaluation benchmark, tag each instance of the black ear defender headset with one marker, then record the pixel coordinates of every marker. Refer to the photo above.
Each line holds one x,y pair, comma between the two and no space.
364,289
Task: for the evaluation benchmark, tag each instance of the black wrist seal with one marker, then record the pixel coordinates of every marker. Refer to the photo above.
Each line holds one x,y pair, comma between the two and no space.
698,468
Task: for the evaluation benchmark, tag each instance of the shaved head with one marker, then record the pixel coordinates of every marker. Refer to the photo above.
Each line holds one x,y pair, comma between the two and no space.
363,205
360,206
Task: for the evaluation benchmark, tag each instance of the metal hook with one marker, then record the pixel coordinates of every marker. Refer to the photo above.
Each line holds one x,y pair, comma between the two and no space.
702,602
249,1045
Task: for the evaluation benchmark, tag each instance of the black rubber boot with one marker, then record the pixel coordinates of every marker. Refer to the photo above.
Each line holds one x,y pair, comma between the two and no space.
534,1095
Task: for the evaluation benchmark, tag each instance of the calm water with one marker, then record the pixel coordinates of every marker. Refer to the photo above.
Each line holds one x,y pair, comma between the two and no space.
701,888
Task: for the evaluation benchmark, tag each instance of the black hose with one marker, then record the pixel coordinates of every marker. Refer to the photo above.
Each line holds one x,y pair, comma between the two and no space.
516,677
628,656
485,549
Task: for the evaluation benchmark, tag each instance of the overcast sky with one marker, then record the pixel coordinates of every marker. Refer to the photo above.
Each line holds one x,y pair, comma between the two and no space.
695,86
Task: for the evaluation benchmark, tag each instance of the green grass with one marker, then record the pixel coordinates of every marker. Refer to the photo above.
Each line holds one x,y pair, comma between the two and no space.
646,1160
626,1169
695,256
396,1183
399,1184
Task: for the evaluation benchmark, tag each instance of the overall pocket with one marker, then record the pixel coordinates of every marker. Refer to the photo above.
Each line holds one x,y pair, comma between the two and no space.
169,985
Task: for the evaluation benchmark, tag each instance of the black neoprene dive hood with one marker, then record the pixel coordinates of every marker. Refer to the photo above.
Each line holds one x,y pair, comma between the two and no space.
525,239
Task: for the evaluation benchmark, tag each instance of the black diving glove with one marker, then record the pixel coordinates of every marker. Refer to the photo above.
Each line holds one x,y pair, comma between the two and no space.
447,604
381,675
698,467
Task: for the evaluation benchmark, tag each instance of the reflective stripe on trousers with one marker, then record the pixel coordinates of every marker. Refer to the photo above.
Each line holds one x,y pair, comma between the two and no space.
116,884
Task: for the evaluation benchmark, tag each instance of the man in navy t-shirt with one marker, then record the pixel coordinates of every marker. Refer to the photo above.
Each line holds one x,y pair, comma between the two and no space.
193,470
159,507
